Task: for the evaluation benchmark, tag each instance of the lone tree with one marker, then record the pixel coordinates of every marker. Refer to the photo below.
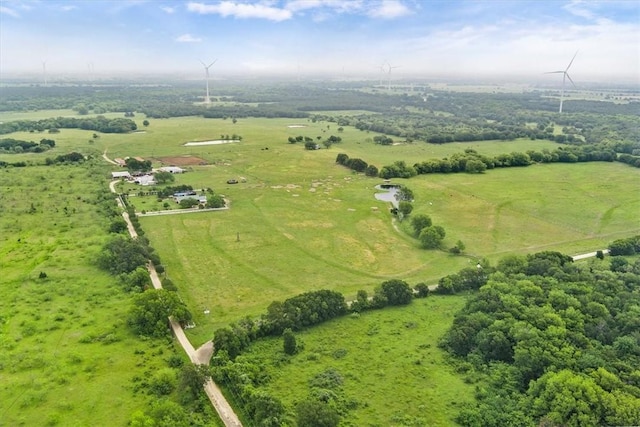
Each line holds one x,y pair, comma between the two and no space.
404,194
315,413
163,177
397,292
458,248
431,237
405,208
290,345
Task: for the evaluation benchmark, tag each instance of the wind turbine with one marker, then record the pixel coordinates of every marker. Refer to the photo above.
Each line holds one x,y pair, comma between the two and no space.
90,69
207,100
389,75
44,72
382,71
565,76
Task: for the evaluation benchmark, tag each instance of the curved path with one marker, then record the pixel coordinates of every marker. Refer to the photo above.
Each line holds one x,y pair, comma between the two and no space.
104,156
590,254
200,356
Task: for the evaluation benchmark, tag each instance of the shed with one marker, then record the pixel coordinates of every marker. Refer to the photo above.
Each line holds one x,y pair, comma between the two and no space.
171,169
145,180
120,175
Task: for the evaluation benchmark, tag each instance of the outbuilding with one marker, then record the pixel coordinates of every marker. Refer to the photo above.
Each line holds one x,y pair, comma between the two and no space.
120,175
171,169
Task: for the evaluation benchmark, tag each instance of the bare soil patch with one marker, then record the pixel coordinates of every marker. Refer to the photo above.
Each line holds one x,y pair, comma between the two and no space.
182,161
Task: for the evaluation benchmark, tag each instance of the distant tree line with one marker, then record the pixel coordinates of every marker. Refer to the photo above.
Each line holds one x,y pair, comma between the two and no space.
629,246
357,165
11,145
98,124
72,157
472,162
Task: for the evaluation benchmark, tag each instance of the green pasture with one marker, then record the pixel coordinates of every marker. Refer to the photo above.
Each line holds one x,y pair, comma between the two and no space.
571,208
166,137
389,359
66,354
305,223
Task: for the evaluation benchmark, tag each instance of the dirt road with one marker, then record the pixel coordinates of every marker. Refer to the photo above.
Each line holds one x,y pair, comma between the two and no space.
589,255
200,356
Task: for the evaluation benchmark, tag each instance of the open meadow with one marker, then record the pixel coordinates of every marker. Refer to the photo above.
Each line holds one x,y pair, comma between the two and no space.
67,356
301,222
387,361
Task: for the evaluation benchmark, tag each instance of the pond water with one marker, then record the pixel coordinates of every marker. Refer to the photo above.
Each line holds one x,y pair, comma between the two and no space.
214,142
388,194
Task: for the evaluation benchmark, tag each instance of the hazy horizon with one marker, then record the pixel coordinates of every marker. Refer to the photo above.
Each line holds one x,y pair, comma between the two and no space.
337,39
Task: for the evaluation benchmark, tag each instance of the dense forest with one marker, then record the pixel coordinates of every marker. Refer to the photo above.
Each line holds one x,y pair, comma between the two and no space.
552,343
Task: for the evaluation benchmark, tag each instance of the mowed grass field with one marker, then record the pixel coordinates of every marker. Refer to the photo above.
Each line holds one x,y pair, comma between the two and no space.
300,222
66,354
389,361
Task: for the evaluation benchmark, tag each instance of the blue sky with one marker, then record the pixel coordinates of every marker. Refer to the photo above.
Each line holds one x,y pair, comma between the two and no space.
339,38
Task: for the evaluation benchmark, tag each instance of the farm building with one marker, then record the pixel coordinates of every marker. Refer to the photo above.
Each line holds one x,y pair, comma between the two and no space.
120,162
120,175
171,169
201,199
145,180
184,193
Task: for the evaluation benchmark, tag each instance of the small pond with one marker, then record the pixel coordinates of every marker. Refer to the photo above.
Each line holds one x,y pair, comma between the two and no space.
388,193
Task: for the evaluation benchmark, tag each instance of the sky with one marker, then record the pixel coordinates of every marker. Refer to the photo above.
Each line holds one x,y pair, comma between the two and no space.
337,38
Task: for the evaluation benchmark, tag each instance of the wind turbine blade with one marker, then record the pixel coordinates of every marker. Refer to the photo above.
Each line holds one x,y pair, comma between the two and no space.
214,61
569,77
554,72
574,57
203,64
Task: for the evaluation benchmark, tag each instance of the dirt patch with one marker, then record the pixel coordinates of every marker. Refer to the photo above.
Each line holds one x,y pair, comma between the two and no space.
182,161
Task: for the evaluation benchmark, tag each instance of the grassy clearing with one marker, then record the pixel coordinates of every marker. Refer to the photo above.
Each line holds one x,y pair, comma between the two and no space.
66,355
556,207
389,360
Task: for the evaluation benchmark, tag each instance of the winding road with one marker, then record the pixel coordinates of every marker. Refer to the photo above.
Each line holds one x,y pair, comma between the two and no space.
202,355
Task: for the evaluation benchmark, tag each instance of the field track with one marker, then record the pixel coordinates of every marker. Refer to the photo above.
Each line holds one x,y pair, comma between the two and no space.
200,356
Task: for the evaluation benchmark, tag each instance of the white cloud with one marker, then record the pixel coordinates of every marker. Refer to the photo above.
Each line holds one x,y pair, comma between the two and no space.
579,8
188,38
7,11
168,9
241,10
340,6
68,8
389,9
